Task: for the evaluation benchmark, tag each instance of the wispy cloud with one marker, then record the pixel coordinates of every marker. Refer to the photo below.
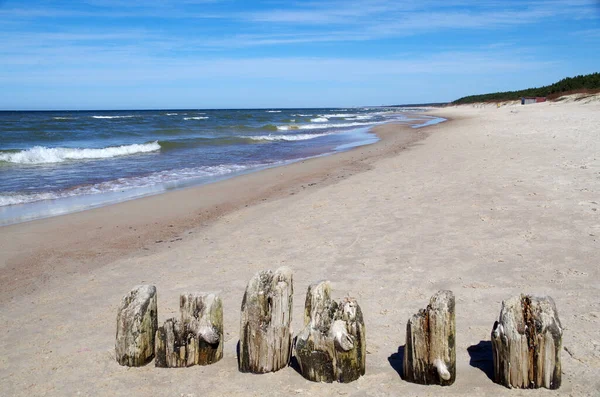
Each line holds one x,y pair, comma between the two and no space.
587,33
133,68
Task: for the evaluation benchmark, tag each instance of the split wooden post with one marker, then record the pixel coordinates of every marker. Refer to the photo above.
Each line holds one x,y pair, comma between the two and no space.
265,333
332,346
196,338
137,321
526,343
430,350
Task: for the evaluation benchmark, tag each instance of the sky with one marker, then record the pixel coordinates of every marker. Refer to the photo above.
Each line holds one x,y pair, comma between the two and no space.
202,54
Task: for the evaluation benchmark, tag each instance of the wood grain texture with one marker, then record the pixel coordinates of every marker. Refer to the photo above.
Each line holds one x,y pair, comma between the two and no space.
332,345
196,338
430,350
266,313
526,343
137,321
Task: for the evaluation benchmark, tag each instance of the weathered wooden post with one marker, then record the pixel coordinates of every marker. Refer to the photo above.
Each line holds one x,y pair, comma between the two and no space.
195,339
137,321
171,345
202,316
526,343
265,333
430,351
332,346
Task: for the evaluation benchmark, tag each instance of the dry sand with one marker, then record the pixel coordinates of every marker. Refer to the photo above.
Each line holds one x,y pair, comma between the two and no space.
491,204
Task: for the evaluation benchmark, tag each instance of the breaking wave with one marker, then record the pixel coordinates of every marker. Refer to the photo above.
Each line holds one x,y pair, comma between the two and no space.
196,118
298,137
113,117
43,155
320,126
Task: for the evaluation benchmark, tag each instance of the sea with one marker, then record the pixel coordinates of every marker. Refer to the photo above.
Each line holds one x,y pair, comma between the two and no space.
57,162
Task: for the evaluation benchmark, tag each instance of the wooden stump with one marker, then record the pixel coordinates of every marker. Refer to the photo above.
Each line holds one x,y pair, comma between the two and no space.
332,346
137,321
171,345
202,316
265,333
195,339
430,351
526,343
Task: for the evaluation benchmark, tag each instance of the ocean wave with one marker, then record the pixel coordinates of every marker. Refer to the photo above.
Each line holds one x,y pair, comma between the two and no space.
360,117
123,184
273,111
113,117
319,120
64,118
43,155
320,126
303,115
172,114
342,115
196,118
297,137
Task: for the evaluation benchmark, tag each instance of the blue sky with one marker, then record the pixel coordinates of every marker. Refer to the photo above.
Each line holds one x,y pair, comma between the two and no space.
118,54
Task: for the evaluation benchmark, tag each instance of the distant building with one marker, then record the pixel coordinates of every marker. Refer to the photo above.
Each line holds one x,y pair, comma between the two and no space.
534,99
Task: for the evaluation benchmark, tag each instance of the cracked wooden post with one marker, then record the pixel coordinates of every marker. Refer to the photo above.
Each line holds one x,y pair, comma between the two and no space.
265,333
202,316
196,338
332,346
171,345
137,321
526,343
430,351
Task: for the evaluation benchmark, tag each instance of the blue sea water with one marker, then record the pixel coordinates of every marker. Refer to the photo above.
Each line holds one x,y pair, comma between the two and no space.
58,162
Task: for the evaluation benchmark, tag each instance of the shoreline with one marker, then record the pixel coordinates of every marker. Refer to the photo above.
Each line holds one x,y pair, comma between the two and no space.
88,239
30,207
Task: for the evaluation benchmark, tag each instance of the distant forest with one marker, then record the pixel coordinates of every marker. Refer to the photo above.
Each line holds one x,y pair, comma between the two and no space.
582,83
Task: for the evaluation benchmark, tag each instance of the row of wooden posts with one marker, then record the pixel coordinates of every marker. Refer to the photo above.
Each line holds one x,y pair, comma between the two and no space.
526,340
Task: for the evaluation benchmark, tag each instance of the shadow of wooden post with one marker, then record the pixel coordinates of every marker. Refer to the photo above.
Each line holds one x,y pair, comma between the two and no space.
396,361
482,357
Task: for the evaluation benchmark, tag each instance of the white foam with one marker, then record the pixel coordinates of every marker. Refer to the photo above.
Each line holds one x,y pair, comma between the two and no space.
124,184
321,126
172,114
64,118
43,155
342,115
319,120
196,118
303,115
113,117
297,137
273,111
361,117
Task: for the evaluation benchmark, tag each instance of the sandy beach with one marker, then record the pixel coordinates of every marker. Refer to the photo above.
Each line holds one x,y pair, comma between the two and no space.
492,203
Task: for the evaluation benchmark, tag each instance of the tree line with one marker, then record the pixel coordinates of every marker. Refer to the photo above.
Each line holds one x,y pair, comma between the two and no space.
580,83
